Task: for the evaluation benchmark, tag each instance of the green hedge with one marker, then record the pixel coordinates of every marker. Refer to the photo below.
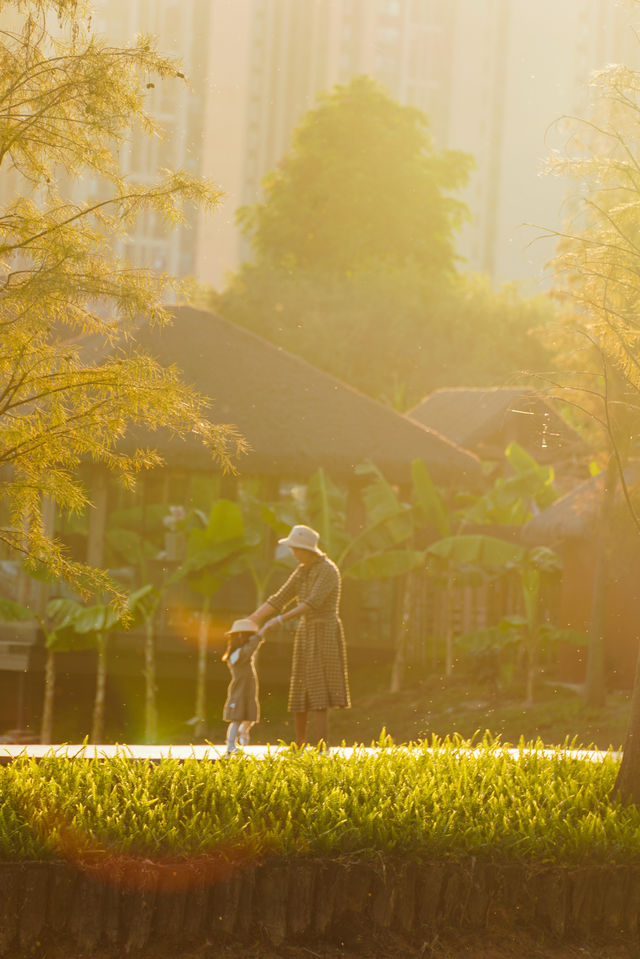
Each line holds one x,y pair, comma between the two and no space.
437,800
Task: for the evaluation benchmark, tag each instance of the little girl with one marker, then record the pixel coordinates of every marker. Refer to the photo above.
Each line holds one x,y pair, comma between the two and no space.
242,707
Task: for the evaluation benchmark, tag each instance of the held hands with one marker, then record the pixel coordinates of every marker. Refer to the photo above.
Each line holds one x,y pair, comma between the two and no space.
271,624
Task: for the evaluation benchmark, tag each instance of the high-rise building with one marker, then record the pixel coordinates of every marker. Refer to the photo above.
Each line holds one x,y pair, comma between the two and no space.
494,76
182,30
521,70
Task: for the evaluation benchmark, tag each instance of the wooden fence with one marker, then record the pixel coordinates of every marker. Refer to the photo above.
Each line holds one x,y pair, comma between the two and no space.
126,906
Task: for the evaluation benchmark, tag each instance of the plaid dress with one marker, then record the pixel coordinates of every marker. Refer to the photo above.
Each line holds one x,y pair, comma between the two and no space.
319,677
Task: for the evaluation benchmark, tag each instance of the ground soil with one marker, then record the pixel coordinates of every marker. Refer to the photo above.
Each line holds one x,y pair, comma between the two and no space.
440,707
506,945
516,946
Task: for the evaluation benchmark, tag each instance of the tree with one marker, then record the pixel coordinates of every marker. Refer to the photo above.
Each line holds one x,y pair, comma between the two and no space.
368,175
68,102
599,283
353,260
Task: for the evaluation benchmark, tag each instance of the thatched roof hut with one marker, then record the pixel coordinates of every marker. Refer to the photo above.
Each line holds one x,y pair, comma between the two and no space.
575,515
571,517
487,420
295,417
573,526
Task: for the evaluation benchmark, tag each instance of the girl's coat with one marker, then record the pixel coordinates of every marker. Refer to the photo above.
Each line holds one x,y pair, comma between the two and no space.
243,693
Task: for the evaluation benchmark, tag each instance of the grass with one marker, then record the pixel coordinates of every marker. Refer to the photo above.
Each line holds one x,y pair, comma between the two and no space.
437,802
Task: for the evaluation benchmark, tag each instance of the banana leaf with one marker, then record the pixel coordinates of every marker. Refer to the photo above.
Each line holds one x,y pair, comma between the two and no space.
478,550
142,604
387,564
12,612
509,500
131,546
146,519
429,503
380,499
225,521
494,638
326,507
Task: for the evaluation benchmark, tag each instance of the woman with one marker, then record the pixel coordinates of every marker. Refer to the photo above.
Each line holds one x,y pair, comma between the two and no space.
319,678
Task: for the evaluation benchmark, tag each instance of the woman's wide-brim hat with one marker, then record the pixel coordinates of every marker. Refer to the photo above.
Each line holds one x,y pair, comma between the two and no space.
243,626
302,537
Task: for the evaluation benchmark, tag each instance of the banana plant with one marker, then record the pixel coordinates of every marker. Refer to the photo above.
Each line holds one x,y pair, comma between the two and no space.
512,499
85,627
325,509
386,548
476,556
264,521
382,548
215,553
136,536
76,627
143,604
58,634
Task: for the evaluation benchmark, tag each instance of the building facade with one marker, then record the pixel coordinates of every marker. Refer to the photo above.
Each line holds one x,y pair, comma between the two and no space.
521,70
494,76
182,30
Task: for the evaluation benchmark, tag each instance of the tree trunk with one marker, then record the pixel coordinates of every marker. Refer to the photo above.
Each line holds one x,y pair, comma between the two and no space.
97,727
151,712
46,728
401,630
594,689
627,784
532,668
97,517
449,652
530,585
200,726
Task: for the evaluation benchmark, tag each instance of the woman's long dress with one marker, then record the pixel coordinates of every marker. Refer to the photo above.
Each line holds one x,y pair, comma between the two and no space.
319,676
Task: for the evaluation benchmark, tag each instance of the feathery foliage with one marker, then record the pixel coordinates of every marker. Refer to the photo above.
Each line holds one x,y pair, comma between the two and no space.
598,259
598,268
68,102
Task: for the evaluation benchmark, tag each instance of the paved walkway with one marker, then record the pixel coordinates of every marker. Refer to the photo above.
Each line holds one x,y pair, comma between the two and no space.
10,751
